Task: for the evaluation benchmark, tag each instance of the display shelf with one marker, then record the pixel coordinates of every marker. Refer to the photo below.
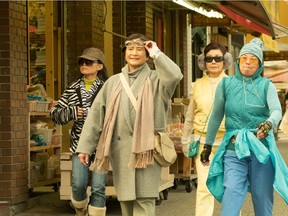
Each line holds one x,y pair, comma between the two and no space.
39,148
39,174
46,114
46,182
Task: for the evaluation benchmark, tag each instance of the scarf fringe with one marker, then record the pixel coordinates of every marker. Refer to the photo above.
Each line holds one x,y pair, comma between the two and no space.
102,166
141,160
92,165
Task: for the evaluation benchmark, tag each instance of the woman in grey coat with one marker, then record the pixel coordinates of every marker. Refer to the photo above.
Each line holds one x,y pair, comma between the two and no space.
123,133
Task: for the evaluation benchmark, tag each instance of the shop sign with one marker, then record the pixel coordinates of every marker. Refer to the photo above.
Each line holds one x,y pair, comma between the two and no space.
200,20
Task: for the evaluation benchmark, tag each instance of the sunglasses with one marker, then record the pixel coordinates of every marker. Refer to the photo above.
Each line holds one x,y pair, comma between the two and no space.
87,62
253,60
209,59
137,43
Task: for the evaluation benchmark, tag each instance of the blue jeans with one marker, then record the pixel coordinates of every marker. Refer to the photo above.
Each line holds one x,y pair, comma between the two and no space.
238,175
80,178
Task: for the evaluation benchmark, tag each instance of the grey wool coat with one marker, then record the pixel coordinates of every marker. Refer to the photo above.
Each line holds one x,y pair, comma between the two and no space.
131,184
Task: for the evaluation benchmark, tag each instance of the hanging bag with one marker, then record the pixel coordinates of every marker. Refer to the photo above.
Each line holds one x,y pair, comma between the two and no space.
194,146
164,151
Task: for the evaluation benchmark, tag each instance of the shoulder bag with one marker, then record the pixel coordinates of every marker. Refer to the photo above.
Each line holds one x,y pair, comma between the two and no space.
164,151
194,145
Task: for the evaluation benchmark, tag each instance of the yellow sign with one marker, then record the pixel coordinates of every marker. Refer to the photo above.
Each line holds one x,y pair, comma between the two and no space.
268,42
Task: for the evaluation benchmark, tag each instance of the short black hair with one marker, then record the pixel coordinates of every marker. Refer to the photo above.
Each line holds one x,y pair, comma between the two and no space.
215,46
102,74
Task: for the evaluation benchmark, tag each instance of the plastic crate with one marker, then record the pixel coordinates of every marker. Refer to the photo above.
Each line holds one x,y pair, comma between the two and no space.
33,106
40,106
43,106
47,134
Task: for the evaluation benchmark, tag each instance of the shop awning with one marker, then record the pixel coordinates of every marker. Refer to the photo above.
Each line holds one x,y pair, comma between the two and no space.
256,15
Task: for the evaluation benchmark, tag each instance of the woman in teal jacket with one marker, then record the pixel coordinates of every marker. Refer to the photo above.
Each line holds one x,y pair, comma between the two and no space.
247,158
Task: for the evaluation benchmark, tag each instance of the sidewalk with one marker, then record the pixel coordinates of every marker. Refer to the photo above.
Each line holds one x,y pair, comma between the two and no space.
179,202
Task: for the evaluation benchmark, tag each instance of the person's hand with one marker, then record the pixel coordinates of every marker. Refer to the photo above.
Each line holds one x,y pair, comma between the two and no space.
264,129
152,48
79,112
185,149
204,157
84,158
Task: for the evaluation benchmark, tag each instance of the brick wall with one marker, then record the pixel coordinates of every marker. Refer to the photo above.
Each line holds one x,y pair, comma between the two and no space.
136,17
119,28
13,102
130,17
85,21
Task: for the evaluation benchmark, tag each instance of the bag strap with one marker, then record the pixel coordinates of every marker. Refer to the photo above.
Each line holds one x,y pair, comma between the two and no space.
128,91
96,92
78,92
206,122
224,87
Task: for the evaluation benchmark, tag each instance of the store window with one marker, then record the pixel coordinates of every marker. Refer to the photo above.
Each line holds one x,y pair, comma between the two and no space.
44,44
37,46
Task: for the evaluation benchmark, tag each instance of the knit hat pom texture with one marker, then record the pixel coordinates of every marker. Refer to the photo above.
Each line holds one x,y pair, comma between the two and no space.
255,47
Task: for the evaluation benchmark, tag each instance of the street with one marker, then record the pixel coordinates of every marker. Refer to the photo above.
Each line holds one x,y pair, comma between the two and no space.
179,202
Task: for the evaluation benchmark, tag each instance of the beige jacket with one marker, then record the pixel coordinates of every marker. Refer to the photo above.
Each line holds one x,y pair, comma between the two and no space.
198,109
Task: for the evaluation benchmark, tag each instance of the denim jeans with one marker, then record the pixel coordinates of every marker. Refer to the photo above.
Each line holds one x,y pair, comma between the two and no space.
80,179
238,175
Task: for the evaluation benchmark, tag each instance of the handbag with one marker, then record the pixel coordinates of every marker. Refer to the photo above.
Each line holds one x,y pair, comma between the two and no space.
164,151
194,146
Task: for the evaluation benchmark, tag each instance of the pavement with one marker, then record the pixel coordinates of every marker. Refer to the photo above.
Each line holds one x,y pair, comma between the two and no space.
45,202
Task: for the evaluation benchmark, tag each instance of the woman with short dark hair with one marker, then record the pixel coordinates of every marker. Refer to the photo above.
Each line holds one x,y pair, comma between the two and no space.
213,62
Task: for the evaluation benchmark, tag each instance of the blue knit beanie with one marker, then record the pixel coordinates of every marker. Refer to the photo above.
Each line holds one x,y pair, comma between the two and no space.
255,47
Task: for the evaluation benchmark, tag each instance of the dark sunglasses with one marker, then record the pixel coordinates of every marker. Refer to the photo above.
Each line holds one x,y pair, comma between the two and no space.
215,58
87,62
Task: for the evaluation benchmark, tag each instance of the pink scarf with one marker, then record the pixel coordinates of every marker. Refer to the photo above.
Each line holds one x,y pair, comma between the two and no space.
143,135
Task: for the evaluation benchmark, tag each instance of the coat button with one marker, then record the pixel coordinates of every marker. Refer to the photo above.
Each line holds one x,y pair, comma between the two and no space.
118,138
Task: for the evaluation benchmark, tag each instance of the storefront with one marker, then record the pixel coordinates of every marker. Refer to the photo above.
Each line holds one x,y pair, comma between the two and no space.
40,41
